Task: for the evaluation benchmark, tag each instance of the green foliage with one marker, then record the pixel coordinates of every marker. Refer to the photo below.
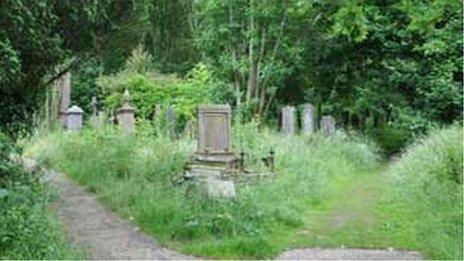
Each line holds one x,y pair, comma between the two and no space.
150,88
429,180
27,228
135,176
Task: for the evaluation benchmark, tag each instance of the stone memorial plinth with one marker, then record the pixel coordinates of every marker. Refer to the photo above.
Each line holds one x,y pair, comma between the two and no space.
213,162
288,120
327,125
308,119
74,118
125,115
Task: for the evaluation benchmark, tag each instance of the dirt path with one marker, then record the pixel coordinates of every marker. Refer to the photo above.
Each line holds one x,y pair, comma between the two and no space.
100,232
348,254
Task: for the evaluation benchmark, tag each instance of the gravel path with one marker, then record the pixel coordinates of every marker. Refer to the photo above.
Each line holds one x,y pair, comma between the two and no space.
348,254
100,232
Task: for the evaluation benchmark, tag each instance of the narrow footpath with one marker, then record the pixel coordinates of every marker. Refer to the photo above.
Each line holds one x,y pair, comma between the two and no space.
101,234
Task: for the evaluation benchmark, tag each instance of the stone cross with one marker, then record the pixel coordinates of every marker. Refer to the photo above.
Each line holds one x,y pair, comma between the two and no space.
288,120
327,125
94,104
63,84
171,120
214,129
125,115
307,119
74,118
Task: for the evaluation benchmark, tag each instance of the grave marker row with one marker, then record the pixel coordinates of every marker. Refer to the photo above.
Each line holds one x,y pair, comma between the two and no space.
308,119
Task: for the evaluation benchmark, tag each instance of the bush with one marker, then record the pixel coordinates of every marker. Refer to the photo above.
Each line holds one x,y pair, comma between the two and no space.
150,88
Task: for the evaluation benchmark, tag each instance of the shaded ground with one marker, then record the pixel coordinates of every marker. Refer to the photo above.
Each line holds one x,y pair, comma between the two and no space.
100,232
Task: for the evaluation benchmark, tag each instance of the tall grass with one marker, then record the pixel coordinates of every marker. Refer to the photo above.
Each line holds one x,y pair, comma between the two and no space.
428,181
28,230
136,177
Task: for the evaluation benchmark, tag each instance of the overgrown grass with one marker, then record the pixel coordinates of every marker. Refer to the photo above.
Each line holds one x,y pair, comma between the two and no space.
415,203
28,230
134,176
428,181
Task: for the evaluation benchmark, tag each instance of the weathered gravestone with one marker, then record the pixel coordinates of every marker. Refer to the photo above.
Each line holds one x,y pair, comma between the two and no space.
307,119
288,120
125,115
171,121
74,118
214,158
63,88
327,125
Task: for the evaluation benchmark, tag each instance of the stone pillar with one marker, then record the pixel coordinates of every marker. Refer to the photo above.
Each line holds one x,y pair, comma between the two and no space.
327,125
125,115
64,84
288,120
74,118
307,119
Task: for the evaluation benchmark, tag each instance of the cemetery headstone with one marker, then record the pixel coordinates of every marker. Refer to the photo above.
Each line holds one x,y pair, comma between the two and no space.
211,164
327,125
307,119
171,121
125,115
74,118
288,120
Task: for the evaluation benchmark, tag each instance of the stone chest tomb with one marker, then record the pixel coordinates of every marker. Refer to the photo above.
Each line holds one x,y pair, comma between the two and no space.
214,166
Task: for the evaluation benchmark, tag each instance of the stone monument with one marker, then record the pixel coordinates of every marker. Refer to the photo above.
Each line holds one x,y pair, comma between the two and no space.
74,118
171,121
327,125
214,161
288,120
63,87
125,115
307,119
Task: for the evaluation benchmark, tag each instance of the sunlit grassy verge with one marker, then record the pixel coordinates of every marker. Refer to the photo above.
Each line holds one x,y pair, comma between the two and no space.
134,176
416,203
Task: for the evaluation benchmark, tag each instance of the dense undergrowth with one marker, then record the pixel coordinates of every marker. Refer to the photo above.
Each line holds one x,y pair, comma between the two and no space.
429,189
134,176
28,230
